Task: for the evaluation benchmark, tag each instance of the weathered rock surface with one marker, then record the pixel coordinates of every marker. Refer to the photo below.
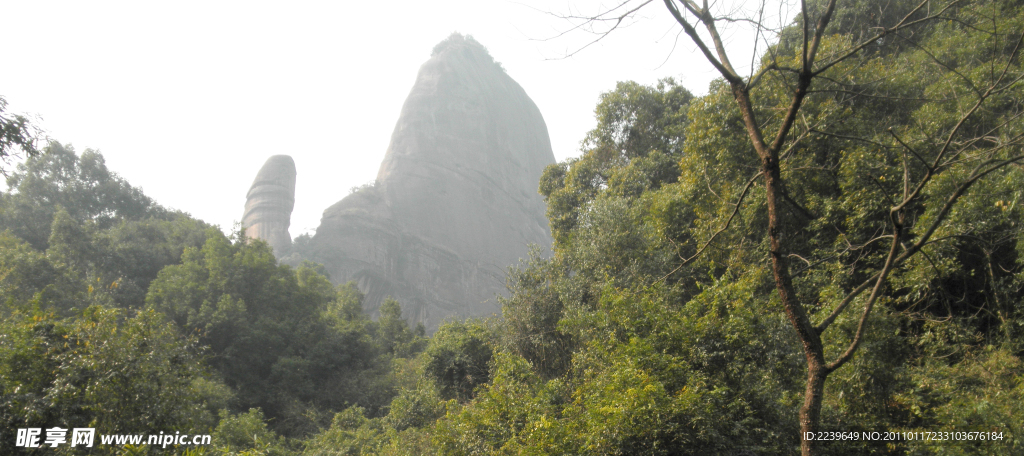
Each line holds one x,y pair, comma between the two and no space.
269,203
455,202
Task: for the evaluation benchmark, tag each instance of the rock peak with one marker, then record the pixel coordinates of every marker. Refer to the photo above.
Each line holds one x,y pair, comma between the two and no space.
459,45
269,203
455,202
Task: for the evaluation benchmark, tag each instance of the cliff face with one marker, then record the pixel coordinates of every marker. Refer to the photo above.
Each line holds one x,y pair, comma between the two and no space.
269,203
466,157
455,202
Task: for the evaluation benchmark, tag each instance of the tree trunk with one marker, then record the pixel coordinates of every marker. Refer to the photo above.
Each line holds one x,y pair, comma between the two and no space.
814,351
810,413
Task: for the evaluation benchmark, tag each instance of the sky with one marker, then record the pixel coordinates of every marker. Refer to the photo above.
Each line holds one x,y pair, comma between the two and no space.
187,99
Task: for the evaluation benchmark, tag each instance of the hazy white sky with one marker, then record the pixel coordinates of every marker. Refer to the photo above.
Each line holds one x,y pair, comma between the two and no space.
187,99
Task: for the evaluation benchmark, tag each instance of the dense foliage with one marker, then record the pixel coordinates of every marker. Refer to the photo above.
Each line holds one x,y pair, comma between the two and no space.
284,340
91,273
657,326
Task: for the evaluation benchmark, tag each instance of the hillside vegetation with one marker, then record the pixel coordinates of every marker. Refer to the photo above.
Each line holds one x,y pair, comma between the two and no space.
655,328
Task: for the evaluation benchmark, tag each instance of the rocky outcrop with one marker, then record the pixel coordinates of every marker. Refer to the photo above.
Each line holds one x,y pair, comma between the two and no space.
269,203
455,202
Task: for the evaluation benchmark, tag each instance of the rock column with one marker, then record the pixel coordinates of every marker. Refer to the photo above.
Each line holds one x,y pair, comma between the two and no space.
269,203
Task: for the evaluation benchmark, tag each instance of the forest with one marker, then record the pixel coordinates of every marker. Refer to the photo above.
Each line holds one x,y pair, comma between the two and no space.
827,248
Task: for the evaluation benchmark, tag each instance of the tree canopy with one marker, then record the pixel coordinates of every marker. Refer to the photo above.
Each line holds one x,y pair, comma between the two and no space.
108,298
830,244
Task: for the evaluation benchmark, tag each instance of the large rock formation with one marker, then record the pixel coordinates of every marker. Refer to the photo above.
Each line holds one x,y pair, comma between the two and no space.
455,202
269,203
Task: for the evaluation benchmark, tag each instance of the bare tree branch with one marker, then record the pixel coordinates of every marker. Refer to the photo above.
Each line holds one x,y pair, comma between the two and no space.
605,16
735,210
902,24
862,324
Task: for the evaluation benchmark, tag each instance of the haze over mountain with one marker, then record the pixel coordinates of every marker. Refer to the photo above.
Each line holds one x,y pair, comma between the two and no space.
455,202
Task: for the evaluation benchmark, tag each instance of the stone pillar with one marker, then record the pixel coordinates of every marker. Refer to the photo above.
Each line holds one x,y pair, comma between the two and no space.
269,203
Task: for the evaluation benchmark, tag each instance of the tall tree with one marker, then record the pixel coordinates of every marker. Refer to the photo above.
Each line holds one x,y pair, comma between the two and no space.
81,184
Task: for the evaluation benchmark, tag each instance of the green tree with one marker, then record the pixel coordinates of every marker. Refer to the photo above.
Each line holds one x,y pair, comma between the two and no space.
28,278
634,147
247,434
405,430
16,134
93,225
103,369
530,316
856,192
634,120
81,185
283,339
457,359
393,333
